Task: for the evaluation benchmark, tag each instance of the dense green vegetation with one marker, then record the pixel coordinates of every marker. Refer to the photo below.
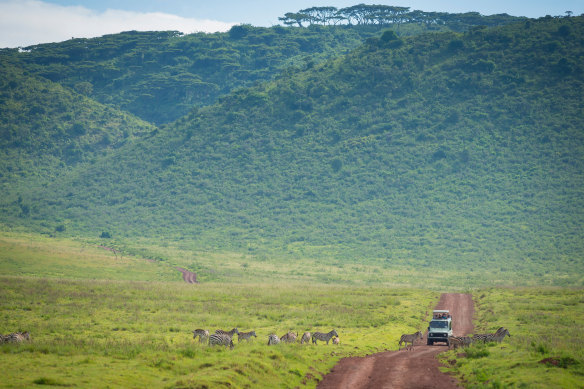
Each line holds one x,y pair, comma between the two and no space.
161,76
545,349
450,151
45,128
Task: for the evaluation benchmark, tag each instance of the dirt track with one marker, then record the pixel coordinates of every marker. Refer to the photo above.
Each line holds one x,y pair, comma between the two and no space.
404,369
188,276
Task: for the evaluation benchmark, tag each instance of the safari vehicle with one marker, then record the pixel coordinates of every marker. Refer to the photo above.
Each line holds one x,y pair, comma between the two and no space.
440,328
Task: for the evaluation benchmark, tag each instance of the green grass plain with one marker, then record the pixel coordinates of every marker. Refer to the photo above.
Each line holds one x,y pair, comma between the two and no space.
93,333
107,322
546,347
98,320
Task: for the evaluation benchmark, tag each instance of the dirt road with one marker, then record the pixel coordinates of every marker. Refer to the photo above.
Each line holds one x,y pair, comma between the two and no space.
404,369
188,276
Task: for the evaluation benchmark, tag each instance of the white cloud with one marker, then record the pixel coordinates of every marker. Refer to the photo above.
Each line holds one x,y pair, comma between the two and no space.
28,22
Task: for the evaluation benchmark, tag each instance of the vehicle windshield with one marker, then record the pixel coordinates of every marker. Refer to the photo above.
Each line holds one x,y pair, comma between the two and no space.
438,324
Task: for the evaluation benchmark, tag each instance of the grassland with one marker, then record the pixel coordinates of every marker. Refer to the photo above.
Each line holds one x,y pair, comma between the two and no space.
101,320
91,333
42,256
546,347
147,260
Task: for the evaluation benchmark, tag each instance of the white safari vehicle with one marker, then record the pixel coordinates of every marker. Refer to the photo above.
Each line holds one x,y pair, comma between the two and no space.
440,328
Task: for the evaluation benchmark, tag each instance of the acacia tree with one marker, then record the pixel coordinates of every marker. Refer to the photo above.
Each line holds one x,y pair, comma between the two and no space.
324,15
354,14
363,14
292,18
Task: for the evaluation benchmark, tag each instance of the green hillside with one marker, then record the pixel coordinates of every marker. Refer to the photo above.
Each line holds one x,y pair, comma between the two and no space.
45,129
160,76
452,151
449,150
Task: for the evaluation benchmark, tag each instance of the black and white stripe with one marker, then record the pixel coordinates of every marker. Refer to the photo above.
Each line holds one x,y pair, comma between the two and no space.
500,335
202,334
290,337
459,341
324,337
246,335
494,337
305,338
15,337
273,339
410,338
230,333
220,339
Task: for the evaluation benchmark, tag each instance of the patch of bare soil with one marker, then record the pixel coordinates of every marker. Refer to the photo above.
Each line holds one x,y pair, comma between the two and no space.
188,276
405,369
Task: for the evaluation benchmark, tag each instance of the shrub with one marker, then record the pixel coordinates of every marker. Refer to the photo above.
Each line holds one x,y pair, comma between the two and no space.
477,352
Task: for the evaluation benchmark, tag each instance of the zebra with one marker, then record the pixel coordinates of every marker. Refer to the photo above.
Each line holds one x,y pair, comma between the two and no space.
455,342
336,340
500,335
324,337
290,337
466,341
273,339
411,338
305,338
246,335
16,337
230,333
221,339
494,337
202,334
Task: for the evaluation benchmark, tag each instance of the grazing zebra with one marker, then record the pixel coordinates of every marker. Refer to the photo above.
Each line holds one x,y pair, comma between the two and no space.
16,337
246,335
336,340
411,338
324,337
495,337
273,339
230,333
202,334
305,338
290,337
221,339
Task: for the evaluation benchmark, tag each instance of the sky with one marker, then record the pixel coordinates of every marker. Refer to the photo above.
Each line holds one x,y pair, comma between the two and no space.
28,22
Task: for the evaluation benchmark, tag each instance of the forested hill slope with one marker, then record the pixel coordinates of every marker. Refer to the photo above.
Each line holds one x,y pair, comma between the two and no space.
444,150
160,76
46,128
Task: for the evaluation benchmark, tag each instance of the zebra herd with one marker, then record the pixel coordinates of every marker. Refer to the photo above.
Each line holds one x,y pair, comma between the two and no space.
15,337
465,341
458,341
225,338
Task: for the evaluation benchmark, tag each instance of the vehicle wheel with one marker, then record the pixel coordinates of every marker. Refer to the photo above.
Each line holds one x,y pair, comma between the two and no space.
448,343
430,342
